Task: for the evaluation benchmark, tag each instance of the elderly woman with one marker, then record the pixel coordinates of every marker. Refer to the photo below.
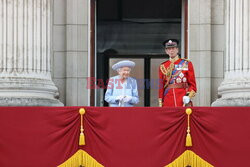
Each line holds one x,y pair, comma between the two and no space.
122,89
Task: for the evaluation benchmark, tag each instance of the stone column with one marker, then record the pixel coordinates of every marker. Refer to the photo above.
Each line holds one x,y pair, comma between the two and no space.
25,50
235,89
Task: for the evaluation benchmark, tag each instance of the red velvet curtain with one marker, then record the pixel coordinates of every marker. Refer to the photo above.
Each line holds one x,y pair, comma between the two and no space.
134,137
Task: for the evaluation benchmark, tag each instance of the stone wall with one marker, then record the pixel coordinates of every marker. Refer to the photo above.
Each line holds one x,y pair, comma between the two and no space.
218,46
200,48
70,50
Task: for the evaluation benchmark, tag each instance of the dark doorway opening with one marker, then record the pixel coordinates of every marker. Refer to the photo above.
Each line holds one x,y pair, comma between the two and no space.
134,30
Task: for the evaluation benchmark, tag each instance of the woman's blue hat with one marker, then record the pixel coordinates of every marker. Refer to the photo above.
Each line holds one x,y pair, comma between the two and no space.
123,63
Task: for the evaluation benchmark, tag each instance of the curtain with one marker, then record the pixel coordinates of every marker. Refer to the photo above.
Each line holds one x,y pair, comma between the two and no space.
135,137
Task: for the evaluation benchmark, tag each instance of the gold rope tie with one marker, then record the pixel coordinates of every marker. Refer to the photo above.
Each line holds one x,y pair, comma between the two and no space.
82,137
188,137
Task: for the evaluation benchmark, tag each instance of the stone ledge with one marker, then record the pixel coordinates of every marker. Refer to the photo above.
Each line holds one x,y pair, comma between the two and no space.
243,102
11,101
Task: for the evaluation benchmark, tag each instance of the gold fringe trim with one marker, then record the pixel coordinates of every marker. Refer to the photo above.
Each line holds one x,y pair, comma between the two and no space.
81,159
188,137
82,137
189,158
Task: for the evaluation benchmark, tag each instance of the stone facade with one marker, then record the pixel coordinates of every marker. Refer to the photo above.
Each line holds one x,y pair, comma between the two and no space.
208,50
207,47
70,50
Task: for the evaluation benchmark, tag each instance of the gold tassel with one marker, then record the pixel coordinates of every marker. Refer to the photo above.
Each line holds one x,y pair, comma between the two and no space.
188,137
82,137
188,140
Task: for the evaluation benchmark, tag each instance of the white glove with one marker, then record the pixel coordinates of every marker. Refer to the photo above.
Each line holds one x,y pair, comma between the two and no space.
127,99
119,98
186,99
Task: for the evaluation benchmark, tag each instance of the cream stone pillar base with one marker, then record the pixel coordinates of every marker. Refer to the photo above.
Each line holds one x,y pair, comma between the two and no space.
28,92
234,90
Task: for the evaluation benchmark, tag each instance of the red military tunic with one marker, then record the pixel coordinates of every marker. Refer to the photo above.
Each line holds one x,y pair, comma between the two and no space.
177,79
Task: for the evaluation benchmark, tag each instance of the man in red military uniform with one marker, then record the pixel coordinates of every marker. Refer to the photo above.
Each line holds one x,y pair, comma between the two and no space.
177,78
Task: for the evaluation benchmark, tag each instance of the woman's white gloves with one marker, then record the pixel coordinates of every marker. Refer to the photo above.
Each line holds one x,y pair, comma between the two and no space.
127,99
124,99
119,98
